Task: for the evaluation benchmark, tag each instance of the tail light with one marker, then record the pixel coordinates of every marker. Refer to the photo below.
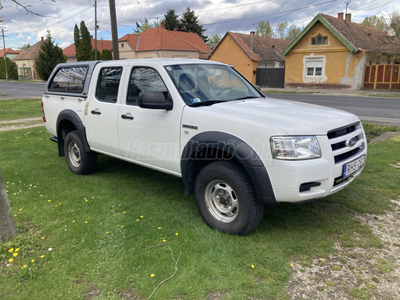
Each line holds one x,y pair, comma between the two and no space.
43,115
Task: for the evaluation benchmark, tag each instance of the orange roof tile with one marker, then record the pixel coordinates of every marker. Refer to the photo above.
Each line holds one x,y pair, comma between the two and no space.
260,47
101,45
162,39
10,51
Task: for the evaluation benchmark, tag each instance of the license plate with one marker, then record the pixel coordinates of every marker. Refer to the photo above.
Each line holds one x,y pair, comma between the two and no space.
353,166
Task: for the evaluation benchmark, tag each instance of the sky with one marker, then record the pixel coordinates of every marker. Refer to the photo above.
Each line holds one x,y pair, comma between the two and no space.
216,16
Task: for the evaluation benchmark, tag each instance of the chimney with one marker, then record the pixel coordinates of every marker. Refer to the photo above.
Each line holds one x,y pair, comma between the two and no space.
42,38
162,25
252,36
348,17
340,15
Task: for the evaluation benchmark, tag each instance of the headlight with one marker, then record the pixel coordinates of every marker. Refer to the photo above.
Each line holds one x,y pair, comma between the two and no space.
295,147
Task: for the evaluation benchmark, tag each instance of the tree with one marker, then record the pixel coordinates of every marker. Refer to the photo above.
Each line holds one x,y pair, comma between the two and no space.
11,68
214,41
49,56
376,22
77,38
7,223
25,47
293,32
144,26
25,7
189,23
264,29
280,31
83,43
171,20
106,54
84,49
395,23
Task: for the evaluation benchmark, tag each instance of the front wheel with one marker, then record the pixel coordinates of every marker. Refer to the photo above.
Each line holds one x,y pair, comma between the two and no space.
226,199
78,160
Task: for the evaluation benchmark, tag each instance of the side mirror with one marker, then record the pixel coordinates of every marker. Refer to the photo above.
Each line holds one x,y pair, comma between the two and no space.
155,100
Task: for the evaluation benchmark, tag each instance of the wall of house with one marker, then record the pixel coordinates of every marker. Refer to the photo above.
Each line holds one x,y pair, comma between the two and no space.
340,67
270,64
230,53
27,64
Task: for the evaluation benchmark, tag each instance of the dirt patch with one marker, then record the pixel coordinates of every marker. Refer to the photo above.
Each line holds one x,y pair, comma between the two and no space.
355,273
20,124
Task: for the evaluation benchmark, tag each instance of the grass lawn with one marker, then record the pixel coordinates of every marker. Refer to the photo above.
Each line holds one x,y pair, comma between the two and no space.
20,109
116,234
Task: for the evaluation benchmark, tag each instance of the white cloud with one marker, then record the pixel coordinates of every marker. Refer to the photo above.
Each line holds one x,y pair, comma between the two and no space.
20,35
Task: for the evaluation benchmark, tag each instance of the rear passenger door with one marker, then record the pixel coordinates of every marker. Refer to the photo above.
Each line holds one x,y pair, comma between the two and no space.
102,110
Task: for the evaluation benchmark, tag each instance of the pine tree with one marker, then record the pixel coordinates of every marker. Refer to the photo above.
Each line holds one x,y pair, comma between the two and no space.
171,20
106,54
49,56
189,22
84,47
77,39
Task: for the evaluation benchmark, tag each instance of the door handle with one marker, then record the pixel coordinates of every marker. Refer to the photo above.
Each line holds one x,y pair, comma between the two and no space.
126,117
95,112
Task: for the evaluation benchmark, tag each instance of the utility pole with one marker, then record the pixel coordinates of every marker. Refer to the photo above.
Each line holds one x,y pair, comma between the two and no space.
347,4
5,58
95,29
114,29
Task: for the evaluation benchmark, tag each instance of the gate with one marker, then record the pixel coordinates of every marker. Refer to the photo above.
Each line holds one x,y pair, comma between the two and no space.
382,77
273,78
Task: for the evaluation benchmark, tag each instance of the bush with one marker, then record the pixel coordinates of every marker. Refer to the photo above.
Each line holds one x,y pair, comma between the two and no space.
11,68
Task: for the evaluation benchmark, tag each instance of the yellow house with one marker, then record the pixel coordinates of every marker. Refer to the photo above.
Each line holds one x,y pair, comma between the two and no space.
251,54
335,52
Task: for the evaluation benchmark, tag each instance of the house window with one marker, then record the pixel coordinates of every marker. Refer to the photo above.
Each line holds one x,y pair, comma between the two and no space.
319,40
314,66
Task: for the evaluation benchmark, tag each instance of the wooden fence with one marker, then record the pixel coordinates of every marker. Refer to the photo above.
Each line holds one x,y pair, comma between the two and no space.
382,77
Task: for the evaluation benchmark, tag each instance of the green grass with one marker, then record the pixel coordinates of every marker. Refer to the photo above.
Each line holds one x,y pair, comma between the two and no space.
19,109
115,252
373,130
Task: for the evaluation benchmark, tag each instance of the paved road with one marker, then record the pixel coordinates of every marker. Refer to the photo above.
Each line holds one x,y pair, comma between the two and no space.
383,110
372,109
14,90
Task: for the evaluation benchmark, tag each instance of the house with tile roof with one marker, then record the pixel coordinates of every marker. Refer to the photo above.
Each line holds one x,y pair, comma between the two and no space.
70,51
25,62
10,53
333,52
253,56
160,42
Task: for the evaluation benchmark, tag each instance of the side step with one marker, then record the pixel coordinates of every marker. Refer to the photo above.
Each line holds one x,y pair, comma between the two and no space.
53,138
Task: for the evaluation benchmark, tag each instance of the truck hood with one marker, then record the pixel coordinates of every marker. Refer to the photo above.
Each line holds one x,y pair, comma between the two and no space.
295,118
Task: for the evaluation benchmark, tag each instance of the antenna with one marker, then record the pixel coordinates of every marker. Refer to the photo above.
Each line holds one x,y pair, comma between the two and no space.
347,4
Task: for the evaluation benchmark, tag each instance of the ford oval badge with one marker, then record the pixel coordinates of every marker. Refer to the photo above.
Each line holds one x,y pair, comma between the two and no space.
351,142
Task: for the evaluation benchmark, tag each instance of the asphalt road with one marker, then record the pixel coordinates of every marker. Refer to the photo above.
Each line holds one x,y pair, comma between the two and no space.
14,90
382,110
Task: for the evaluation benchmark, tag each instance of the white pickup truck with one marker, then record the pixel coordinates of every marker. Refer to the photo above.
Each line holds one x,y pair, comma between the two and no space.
235,149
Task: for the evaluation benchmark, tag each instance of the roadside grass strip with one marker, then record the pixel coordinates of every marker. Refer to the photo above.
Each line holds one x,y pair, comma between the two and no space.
127,232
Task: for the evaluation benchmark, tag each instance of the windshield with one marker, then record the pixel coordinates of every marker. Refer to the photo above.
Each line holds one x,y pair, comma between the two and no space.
203,84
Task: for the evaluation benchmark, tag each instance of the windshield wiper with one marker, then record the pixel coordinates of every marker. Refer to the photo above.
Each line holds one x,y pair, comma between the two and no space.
206,103
247,97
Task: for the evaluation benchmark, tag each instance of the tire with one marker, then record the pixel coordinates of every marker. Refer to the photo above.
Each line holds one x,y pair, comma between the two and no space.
226,199
78,160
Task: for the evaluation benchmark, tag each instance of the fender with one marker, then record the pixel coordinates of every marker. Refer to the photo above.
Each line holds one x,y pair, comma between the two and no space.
227,146
72,117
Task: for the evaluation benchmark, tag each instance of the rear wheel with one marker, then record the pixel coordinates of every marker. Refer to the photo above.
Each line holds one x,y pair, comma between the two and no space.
226,199
78,160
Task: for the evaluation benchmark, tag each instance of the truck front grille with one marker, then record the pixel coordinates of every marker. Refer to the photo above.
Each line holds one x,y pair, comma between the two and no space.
347,142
